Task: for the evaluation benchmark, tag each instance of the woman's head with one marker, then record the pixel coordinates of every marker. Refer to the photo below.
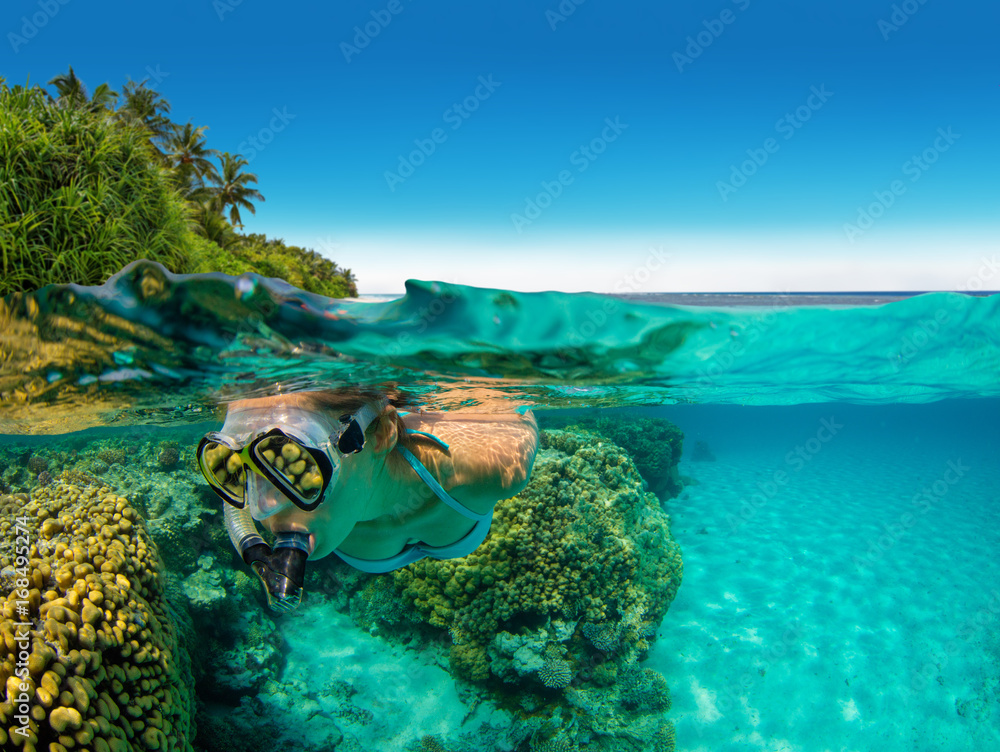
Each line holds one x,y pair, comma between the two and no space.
294,445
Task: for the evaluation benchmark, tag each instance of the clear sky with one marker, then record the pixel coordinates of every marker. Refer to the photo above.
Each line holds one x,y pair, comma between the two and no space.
651,146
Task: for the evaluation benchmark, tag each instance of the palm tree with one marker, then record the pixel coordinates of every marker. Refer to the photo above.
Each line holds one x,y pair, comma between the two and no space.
190,159
73,94
146,108
103,99
232,188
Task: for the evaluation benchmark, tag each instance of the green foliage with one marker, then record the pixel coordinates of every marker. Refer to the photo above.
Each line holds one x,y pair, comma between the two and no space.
86,189
81,196
301,267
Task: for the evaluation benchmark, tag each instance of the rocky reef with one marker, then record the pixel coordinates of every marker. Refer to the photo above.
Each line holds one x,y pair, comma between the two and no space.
90,656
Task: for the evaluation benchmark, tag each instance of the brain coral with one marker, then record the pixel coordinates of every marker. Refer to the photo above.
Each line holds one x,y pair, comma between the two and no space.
582,543
104,670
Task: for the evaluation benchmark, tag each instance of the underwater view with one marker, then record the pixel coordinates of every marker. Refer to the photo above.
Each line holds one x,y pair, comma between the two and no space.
507,376
771,524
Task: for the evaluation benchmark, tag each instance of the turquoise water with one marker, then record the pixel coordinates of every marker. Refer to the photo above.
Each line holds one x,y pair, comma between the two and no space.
835,506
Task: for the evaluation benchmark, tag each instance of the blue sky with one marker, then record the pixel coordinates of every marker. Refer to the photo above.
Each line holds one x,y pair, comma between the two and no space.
718,145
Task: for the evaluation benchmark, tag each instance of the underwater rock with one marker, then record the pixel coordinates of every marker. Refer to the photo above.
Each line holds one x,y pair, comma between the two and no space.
702,452
106,671
561,600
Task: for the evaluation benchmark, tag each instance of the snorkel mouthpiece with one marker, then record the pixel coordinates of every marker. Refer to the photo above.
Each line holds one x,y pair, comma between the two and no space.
281,570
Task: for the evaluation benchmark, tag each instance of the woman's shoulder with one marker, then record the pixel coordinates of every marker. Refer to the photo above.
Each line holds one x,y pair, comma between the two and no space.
479,458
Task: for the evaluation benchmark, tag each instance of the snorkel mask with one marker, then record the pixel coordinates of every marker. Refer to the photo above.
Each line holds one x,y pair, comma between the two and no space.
275,456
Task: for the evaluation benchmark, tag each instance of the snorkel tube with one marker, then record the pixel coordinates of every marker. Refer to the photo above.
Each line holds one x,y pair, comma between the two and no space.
282,569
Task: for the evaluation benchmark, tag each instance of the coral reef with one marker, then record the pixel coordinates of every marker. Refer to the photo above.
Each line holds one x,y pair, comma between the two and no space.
555,673
564,595
169,453
105,670
113,455
654,445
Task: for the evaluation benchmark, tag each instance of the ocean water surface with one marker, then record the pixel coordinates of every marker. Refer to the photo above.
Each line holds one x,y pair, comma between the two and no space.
795,501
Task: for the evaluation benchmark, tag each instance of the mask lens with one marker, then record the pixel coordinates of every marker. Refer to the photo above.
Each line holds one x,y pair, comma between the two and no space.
292,464
225,466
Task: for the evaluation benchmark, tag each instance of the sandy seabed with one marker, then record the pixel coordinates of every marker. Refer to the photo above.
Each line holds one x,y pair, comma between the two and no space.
838,610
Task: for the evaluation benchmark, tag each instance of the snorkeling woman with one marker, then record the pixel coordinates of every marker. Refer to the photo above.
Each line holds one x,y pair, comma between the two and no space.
346,473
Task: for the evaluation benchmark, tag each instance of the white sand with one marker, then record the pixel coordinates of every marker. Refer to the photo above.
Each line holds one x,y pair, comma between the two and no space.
781,639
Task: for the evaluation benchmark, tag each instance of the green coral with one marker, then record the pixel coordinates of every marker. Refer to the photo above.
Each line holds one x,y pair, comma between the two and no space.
581,541
168,452
555,673
576,573
664,738
644,689
377,604
654,444
112,455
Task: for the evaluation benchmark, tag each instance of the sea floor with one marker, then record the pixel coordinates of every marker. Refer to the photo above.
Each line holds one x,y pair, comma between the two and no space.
840,608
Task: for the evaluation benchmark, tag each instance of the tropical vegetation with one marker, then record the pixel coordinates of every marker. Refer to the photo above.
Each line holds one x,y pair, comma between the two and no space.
90,181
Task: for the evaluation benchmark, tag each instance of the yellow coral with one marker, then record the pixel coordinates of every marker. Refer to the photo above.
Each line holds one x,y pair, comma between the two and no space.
103,669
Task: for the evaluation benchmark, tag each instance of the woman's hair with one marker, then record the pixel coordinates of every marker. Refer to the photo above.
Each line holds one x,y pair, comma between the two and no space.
347,401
